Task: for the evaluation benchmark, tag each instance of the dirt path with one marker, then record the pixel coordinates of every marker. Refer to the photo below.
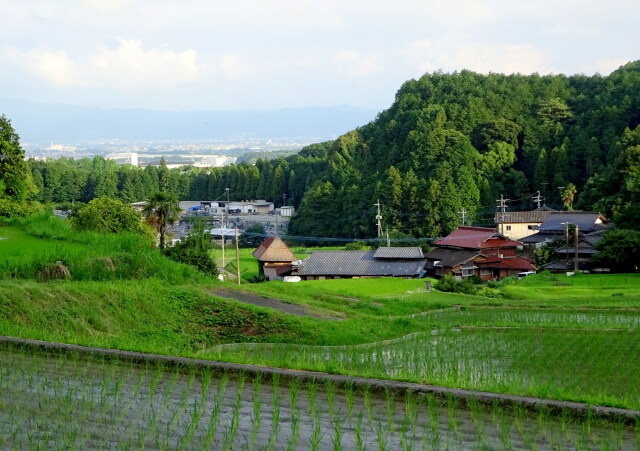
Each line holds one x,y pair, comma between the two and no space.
263,301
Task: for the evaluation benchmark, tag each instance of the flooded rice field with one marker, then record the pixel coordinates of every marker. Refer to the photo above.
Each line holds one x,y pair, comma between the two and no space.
69,401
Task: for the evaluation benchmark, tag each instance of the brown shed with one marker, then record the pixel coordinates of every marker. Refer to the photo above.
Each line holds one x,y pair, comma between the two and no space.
274,258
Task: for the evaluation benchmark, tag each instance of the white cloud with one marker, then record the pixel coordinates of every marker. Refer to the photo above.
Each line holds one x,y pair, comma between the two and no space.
606,66
351,64
128,65
469,12
55,67
234,67
567,31
131,65
451,54
105,6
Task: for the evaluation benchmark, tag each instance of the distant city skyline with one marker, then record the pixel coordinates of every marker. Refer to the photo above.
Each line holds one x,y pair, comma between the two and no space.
195,55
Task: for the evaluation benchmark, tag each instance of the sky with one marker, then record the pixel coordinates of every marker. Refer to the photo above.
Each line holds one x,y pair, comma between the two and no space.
243,54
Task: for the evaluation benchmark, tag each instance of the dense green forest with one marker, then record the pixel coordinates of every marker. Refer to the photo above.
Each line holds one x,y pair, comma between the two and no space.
448,143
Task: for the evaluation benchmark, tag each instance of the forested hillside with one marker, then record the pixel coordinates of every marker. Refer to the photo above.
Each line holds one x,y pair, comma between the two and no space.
458,141
448,143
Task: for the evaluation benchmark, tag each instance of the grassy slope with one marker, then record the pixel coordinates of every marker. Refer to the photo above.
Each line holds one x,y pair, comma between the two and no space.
151,304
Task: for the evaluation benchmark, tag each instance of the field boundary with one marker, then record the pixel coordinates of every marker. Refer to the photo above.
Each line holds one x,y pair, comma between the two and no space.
553,406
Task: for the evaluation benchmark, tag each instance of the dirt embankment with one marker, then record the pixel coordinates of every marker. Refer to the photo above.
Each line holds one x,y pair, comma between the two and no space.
576,408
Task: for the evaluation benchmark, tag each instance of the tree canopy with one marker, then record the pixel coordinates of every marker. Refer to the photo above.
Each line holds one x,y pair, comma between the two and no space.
108,215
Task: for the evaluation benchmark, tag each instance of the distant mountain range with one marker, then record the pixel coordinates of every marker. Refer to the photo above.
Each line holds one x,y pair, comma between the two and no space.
43,123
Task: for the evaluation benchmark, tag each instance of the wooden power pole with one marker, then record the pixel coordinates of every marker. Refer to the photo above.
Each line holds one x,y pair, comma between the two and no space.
237,258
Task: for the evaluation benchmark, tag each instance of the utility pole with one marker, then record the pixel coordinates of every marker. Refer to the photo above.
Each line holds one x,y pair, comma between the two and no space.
575,262
224,228
537,198
237,258
463,213
379,219
502,206
388,240
566,242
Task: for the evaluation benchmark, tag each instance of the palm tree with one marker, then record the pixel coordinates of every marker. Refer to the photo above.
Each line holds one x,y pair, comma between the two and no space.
161,209
568,195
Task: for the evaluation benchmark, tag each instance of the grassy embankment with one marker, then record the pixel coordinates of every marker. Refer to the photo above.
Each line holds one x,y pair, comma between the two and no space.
551,336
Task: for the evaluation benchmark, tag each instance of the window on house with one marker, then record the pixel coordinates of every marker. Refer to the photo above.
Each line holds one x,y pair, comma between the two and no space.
508,228
530,226
467,272
485,272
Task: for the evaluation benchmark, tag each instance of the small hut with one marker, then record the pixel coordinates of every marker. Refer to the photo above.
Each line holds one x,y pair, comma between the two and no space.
274,258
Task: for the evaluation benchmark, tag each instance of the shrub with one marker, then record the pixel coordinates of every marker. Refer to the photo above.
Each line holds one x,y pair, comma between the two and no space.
108,215
356,246
9,208
468,285
447,283
194,250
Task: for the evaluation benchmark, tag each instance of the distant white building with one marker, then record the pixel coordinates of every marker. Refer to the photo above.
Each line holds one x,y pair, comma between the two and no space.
253,207
287,210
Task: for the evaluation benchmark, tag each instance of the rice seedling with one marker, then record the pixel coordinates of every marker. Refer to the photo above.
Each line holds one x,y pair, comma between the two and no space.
337,434
316,434
330,391
349,396
390,407
294,387
358,433
232,430
275,409
312,389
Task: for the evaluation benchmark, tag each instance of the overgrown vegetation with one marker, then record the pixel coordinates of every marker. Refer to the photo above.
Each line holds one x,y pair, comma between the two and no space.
195,250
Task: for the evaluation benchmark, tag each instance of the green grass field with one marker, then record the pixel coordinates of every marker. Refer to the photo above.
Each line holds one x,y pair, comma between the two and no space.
546,335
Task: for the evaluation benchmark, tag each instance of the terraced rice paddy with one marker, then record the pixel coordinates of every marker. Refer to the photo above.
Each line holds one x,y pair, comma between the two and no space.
69,401
591,356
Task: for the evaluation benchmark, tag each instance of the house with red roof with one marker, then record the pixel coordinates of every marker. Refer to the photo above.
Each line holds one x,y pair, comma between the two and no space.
477,251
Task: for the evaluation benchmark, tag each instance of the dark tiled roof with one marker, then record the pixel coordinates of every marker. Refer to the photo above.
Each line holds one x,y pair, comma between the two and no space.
451,257
524,217
541,237
356,263
273,249
585,220
399,252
